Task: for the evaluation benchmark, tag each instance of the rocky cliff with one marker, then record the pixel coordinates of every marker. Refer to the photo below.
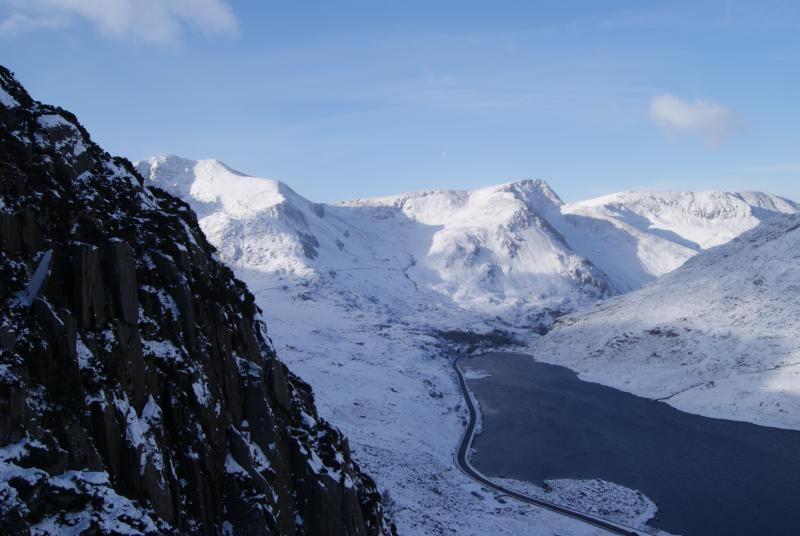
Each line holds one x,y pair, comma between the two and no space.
139,391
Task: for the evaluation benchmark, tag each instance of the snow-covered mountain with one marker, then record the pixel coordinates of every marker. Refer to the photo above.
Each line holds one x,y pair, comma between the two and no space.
718,336
491,250
346,291
354,292
365,284
635,237
512,250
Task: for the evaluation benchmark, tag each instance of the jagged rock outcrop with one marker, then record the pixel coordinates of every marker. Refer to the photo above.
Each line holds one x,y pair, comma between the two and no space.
139,391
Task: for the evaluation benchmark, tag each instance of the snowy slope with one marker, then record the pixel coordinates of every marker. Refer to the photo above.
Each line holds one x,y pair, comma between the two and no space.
255,222
635,237
717,337
490,251
511,250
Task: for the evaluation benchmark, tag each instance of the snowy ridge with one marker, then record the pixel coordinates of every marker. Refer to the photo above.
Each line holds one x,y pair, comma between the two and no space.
635,237
490,251
233,206
721,342
511,250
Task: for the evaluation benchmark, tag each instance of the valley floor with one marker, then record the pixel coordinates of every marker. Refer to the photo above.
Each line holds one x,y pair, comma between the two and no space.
387,383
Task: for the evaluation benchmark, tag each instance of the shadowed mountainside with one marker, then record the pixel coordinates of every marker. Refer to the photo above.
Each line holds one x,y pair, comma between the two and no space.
139,391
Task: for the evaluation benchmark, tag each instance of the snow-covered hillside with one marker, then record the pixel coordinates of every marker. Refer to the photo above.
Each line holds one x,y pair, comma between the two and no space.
513,251
352,322
255,223
355,291
718,336
490,251
635,237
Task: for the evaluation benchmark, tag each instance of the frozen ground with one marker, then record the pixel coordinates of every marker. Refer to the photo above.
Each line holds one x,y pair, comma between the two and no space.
597,497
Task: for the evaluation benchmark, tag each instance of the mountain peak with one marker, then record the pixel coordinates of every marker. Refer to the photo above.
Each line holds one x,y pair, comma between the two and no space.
765,202
170,165
212,182
534,191
12,93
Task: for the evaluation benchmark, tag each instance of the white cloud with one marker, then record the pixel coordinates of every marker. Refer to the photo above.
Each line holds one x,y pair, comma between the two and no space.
711,121
18,23
153,21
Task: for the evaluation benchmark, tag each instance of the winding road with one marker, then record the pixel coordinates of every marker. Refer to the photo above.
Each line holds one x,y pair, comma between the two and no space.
463,463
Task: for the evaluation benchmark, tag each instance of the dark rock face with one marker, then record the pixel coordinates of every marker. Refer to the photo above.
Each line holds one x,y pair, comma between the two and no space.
139,391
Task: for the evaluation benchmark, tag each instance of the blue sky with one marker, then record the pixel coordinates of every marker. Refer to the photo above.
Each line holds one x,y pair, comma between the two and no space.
353,99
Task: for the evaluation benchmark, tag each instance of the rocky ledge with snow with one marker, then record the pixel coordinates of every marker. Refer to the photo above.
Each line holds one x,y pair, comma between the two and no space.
139,391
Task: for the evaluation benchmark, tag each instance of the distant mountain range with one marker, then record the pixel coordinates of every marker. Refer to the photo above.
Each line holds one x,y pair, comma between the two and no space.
513,250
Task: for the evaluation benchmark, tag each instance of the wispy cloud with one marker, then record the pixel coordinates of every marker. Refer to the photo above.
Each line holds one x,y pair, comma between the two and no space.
152,21
709,120
18,23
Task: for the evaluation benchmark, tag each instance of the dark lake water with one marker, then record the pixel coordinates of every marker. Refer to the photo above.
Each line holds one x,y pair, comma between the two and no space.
708,476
